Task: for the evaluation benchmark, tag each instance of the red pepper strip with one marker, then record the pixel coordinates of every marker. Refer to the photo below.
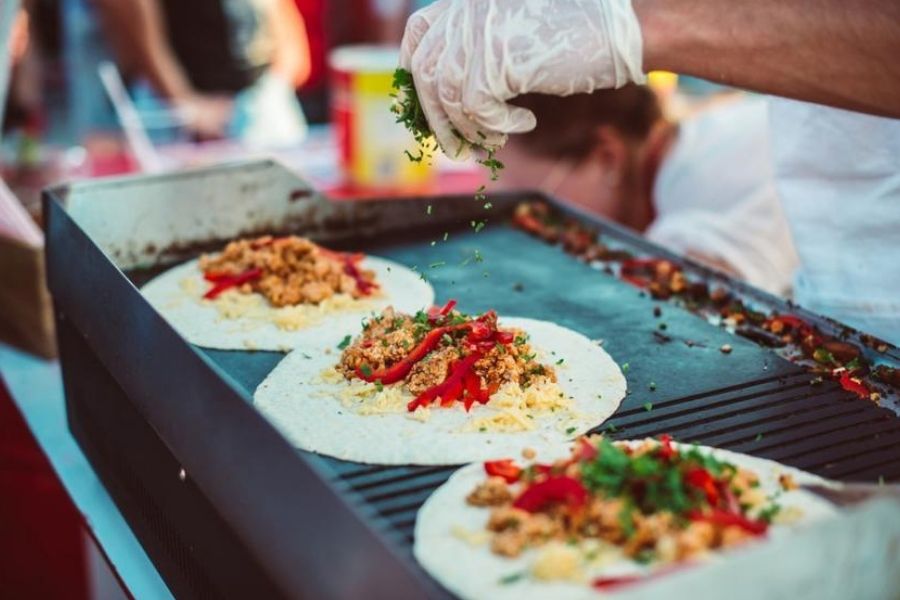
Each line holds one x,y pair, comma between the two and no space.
399,370
723,518
434,312
614,583
350,261
452,392
666,451
364,286
222,283
528,223
792,321
731,502
504,337
632,265
564,489
586,450
699,478
640,282
474,392
853,385
450,388
506,468
479,331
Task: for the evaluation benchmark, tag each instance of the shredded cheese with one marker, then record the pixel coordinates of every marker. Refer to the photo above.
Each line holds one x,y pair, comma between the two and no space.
510,409
513,408
473,538
557,561
254,308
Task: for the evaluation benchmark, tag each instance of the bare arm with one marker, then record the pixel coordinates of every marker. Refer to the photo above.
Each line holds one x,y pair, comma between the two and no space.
834,52
137,32
139,39
291,59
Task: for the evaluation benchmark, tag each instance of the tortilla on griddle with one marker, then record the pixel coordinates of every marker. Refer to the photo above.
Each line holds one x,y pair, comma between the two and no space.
316,408
449,546
236,321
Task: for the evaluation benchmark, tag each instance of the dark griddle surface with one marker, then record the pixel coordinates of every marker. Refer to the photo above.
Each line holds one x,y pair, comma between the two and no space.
749,400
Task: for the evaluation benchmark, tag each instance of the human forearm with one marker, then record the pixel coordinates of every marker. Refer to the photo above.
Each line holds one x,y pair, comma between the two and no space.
826,51
138,34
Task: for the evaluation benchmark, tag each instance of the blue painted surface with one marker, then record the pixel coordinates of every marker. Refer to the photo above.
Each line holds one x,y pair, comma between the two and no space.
36,387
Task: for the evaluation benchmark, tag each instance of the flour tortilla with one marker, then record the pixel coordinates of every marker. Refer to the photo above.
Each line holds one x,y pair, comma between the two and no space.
178,295
473,571
309,412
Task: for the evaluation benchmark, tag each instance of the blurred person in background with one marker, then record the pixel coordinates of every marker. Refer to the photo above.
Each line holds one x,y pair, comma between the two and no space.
704,187
227,67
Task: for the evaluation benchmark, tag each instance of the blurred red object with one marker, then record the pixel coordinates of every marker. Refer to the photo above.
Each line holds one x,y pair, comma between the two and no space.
41,538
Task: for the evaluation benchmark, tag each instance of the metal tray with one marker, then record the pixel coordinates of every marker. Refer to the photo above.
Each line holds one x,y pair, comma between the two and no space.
225,507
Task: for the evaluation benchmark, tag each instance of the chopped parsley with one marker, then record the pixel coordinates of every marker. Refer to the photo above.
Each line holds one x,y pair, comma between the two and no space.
344,342
511,578
648,406
366,370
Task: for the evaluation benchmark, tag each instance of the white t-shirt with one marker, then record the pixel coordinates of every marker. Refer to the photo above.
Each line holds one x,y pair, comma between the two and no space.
715,195
838,174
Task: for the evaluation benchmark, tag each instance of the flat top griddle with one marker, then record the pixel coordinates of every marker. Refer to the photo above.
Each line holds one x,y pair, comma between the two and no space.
249,514
748,400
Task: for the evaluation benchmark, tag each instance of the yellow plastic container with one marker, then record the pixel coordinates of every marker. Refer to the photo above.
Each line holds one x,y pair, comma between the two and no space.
370,140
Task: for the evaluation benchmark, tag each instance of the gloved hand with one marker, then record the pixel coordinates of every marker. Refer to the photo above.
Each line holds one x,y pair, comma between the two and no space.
469,57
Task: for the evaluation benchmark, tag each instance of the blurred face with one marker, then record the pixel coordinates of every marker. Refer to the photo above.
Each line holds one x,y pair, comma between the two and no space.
604,183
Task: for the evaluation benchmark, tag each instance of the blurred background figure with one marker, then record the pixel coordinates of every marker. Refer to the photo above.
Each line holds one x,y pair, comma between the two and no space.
225,67
703,187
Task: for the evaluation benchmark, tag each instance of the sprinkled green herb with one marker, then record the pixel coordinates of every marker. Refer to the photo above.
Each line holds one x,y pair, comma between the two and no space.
511,578
428,210
409,113
570,430
758,437
625,367
378,385
652,386
648,406
446,235
344,342
366,370
520,339
437,264
560,361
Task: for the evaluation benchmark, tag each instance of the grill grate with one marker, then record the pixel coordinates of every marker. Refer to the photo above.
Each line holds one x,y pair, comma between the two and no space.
818,428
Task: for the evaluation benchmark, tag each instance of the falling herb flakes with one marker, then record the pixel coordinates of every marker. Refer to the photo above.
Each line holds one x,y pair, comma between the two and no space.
409,113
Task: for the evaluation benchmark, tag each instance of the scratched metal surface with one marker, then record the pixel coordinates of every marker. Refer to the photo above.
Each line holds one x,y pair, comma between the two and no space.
748,400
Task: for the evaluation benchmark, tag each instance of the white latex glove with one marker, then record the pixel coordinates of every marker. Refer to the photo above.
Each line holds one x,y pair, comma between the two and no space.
469,57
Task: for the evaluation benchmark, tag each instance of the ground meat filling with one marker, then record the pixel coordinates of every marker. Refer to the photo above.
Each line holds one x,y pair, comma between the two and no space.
293,270
390,338
720,505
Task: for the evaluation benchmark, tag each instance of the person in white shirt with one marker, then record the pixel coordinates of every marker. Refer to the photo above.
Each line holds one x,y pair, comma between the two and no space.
703,187
837,172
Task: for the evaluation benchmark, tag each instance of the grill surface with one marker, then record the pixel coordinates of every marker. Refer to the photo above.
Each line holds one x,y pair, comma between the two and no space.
251,518
749,400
